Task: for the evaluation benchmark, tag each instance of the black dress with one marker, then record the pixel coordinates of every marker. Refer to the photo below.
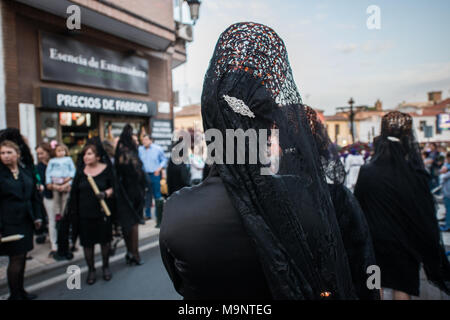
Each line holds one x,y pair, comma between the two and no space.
130,189
19,208
94,226
356,237
401,216
205,248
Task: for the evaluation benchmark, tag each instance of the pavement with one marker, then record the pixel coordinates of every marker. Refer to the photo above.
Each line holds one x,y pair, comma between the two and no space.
149,281
41,263
44,272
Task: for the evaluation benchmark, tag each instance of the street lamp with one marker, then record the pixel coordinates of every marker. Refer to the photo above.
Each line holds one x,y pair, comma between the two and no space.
194,8
351,115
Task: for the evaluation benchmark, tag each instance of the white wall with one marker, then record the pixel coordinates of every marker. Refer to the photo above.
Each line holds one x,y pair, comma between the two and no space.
27,119
430,121
365,126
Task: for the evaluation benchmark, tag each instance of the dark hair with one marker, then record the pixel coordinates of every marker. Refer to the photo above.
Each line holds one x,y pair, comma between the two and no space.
448,154
93,147
46,147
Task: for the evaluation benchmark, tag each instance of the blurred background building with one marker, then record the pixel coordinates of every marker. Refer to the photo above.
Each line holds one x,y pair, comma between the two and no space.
70,85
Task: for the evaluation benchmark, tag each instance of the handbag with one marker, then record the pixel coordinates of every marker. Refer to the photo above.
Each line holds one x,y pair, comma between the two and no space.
164,187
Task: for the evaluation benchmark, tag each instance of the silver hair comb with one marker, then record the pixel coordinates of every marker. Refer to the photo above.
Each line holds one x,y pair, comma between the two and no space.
239,106
395,139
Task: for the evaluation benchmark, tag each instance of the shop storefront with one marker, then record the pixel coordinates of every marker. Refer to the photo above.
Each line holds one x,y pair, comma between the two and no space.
70,86
73,117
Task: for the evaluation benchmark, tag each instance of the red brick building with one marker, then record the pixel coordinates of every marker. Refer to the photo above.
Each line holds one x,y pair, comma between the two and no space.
69,85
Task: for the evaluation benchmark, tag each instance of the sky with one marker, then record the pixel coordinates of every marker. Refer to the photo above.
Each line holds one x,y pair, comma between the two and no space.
332,52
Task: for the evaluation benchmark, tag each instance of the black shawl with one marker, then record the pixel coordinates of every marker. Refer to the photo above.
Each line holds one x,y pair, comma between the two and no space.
352,221
289,214
394,194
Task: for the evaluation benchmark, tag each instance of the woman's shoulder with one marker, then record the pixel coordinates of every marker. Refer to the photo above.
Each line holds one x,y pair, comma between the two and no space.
207,200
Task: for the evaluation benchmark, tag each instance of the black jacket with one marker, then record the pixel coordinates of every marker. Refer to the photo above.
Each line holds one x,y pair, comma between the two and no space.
205,248
18,202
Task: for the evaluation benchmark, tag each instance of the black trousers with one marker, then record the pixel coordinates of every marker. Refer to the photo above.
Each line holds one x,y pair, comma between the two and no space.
67,229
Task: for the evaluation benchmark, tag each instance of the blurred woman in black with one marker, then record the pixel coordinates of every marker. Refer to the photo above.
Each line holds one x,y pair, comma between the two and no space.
130,192
27,162
93,225
178,175
20,212
352,222
400,210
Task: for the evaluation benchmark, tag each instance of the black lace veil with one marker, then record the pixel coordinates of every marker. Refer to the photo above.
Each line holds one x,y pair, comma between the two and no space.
332,165
351,219
288,214
397,136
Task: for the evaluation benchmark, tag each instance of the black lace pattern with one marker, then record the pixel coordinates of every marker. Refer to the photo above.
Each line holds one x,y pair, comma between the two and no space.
289,215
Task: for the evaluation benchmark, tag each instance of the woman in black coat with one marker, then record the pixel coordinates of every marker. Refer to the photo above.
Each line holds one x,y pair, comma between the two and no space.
92,223
20,212
351,219
400,210
130,192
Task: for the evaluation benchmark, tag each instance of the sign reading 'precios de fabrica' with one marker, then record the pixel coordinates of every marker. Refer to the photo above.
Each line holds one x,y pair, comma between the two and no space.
64,59
66,100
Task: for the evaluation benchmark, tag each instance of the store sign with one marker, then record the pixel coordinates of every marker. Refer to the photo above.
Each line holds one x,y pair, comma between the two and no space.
85,102
67,60
162,131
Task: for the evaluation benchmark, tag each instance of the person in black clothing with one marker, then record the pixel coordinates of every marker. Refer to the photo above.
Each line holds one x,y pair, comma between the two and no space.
93,225
205,248
26,159
352,222
178,175
400,210
20,212
256,230
130,192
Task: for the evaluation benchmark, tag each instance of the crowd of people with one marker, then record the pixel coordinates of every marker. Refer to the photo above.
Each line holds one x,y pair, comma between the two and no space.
56,197
310,229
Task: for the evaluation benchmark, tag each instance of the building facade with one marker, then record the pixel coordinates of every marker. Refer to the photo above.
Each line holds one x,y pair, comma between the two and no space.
70,85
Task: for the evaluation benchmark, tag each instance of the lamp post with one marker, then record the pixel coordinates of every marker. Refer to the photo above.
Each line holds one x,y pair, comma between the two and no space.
352,117
352,114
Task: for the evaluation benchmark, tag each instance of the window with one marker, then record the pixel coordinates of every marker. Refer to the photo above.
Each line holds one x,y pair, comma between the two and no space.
422,125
